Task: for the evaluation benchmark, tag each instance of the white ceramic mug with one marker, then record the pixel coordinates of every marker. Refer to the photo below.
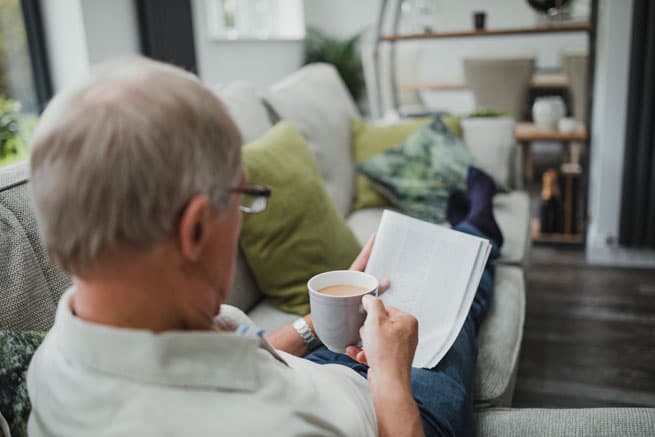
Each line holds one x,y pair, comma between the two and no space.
337,319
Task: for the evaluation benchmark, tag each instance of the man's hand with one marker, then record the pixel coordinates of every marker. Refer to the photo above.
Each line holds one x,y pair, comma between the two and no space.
389,337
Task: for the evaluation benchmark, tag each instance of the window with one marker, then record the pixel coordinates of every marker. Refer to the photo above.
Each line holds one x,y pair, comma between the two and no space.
20,100
256,19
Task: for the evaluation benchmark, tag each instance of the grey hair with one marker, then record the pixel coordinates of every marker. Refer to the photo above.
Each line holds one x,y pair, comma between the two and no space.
115,160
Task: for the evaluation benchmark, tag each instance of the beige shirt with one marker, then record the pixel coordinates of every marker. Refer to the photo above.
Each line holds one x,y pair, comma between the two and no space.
89,379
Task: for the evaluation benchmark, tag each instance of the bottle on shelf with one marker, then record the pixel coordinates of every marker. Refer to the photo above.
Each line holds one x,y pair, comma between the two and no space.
550,212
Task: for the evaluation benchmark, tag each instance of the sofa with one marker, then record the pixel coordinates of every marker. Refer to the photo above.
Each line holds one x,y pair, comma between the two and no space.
316,101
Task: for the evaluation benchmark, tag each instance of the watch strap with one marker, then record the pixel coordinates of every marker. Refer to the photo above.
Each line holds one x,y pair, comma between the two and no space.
305,332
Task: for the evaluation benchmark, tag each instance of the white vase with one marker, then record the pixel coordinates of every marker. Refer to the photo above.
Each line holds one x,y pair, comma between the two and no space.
547,111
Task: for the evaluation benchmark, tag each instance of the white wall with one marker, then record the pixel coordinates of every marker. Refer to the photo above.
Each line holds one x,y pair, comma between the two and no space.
608,138
80,33
66,41
111,28
341,18
441,60
260,62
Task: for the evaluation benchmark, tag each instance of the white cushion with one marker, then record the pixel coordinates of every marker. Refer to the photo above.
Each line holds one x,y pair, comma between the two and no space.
317,102
491,141
246,109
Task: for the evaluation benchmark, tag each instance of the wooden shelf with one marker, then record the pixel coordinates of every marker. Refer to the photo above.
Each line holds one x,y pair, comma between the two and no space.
528,132
554,28
539,81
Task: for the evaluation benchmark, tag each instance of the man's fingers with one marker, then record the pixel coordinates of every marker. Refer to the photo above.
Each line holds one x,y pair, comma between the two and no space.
383,285
360,262
352,351
361,357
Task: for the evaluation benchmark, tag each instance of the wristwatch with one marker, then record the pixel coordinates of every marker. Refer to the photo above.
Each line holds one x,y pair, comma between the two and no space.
303,330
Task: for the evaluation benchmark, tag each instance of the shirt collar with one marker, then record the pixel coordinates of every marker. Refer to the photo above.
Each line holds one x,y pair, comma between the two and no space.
176,358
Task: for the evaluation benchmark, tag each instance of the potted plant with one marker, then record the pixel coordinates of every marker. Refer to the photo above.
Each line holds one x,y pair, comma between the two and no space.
13,148
343,54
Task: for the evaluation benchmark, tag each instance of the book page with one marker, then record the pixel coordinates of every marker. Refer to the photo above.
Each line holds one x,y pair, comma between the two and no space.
434,275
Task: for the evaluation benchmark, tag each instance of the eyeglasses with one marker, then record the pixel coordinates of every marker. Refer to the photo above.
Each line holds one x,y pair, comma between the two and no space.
254,198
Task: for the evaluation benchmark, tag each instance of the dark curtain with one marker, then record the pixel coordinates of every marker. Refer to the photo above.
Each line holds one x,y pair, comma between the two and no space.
166,31
637,228
37,48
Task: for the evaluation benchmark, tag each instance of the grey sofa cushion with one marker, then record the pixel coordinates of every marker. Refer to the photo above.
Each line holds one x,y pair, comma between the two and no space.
244,294
317,102
583,422
246,109
512,211
30,285
499,340
268,317
363,222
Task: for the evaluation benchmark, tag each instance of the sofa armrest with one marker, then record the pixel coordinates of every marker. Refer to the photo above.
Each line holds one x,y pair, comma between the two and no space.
591,422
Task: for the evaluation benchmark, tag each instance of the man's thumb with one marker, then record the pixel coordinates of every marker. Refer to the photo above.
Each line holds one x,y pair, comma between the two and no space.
373,306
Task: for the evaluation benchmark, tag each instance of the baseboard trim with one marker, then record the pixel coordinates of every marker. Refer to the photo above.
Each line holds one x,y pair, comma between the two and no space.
620,256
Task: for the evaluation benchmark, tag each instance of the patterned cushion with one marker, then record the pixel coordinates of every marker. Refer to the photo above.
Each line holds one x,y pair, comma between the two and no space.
16,350
418,175
30,285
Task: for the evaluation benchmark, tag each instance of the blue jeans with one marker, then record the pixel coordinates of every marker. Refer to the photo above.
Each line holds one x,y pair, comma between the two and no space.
444,394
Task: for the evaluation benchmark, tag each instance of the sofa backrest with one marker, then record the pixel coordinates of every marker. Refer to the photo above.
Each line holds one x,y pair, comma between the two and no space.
253,120
246,109
30,285
317,102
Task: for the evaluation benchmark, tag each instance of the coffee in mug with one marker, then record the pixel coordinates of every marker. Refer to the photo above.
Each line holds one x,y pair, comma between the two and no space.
343,290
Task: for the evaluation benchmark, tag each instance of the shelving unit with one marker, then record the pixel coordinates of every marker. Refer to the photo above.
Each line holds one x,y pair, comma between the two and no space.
539,81
554,28
392,9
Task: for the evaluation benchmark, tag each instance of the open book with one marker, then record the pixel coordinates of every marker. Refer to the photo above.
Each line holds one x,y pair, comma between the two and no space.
434,273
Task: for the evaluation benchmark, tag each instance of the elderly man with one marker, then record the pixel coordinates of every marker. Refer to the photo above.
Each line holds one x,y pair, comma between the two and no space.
138,185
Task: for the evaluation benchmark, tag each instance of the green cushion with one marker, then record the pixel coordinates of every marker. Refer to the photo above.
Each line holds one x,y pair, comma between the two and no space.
453,123
16,350
419,175
301,233
369,140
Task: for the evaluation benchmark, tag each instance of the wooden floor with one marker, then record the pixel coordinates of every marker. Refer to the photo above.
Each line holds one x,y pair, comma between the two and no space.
589,338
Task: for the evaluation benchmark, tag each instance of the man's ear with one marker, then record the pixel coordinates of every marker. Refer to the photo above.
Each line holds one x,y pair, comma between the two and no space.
193,229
